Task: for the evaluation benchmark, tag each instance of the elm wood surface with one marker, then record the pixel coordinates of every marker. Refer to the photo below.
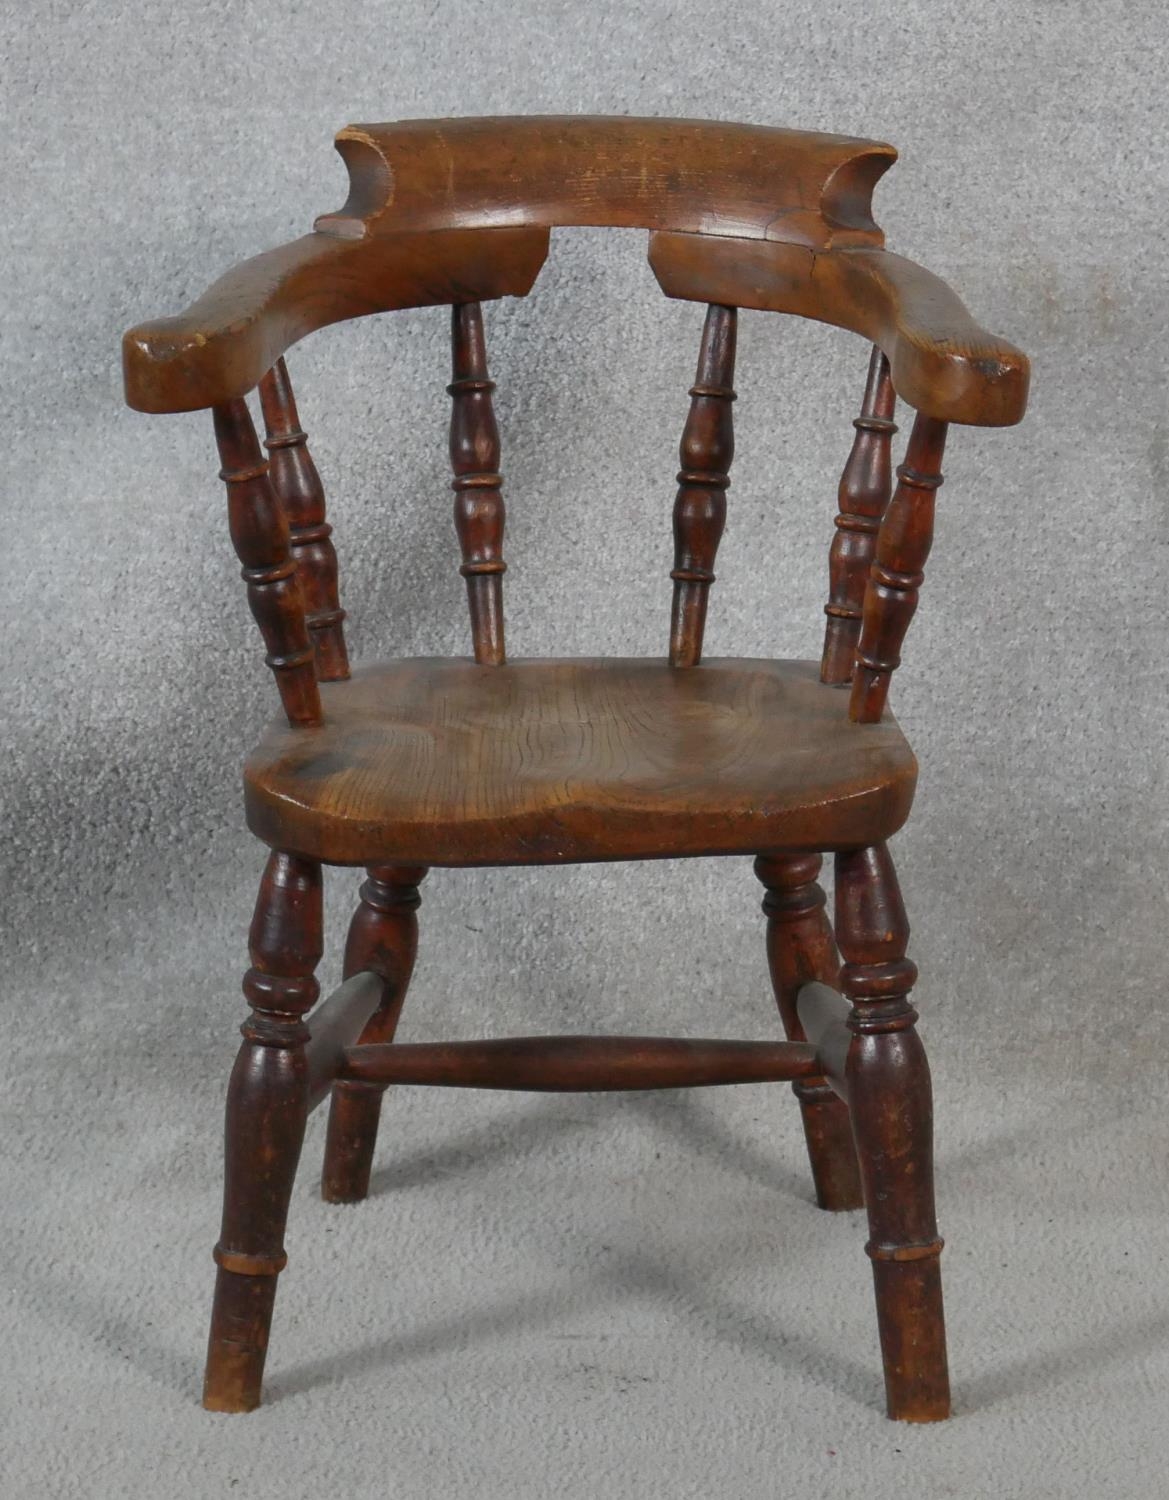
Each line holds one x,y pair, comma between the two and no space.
942,362
863,497
423,762
224,343
898,570
887,1082
801,950
703,176
336,1024
700,509
262,540
452,211
302,498
479,509
824,1014
267,1107
383,939
560,1064
436,761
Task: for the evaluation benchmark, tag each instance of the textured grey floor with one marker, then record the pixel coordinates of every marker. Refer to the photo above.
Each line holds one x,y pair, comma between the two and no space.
573,1296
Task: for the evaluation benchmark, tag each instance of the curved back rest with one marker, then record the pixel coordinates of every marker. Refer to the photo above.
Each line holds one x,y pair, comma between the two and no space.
458,212
692,176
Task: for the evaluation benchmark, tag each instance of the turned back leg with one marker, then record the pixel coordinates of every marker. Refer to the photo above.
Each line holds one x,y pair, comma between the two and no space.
267,1105
801,948
383,938
892,1114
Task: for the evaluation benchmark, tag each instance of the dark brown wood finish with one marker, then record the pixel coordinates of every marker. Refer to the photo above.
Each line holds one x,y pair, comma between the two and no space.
699,176
414,763
863,497
479,509
898,571
824,1013
224,343
260,534
335,1025
943,364
383,939
801,949
888,1086
700,510
435,761
448,211
298,485
604,1064
267,1106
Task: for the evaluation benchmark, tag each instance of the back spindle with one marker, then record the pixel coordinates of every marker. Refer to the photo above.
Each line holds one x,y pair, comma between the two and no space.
862,498
298,485
700,510
898,571
259,532
479,510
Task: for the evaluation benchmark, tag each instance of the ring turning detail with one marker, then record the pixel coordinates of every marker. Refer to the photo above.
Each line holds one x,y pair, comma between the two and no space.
423,763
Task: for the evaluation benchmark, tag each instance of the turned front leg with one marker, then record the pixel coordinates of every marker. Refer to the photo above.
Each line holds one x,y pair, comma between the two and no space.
800,948
267,1106
383,938
888,1086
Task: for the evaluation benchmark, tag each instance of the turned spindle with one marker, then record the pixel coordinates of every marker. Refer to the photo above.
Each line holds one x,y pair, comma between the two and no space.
898,570
700,510
479,509
383,939
298,485
800,950
862,498
888,1086
259,533
267,1106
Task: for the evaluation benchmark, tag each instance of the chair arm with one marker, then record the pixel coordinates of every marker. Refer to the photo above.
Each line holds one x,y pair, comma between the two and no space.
942,362
225,342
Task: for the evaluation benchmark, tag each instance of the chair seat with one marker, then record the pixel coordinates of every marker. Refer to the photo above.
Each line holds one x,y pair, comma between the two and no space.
438,761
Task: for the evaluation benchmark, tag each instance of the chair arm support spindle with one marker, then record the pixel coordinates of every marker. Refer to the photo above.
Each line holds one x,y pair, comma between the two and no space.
478,485
700,509
898,571
260,535
863,496
302,497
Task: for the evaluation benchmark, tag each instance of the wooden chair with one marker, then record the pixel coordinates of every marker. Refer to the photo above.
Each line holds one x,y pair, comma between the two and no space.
413,763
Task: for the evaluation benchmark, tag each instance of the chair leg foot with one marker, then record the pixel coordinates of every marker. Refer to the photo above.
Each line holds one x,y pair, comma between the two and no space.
383,939
912,1328
801,948
892,1117
349,1144
267,1107
828,1132
238,1346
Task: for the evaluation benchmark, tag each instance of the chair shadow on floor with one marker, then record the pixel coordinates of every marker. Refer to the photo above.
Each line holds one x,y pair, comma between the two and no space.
696,1126
631,1276
637,1276
699,1130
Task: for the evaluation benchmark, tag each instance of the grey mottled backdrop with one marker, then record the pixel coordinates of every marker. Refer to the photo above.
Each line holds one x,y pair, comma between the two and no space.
525,1307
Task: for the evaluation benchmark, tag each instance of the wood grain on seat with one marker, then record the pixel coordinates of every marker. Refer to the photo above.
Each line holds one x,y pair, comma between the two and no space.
425,761
436,761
